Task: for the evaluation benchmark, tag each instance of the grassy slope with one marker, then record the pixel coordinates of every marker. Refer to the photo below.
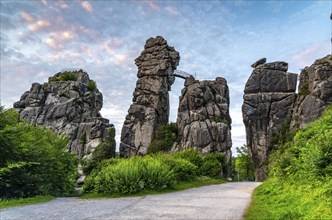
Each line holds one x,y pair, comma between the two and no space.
300,183
24,201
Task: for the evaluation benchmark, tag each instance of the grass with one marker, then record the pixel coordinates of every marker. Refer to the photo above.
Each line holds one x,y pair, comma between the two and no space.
197,182
24,201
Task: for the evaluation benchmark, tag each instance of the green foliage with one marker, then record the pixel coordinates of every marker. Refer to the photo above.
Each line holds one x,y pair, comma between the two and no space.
92,85
212,165
164,139
64,76
129,176
33,160
300,183
244,166
6,203
157,172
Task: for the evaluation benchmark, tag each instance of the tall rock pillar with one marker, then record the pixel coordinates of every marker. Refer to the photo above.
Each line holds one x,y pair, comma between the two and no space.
150,108
269,97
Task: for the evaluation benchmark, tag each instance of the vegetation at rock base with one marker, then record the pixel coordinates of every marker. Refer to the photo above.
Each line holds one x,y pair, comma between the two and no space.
164,139
105,150
157,172
33,160
243,167
300,182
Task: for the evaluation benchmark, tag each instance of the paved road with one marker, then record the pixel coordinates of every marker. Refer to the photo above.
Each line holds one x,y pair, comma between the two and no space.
224,201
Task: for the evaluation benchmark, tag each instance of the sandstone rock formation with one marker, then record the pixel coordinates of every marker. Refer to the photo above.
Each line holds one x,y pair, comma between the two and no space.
315,92
69,103
269,97
203,116
150,108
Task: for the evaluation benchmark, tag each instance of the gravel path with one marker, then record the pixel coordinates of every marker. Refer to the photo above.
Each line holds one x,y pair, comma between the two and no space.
224,201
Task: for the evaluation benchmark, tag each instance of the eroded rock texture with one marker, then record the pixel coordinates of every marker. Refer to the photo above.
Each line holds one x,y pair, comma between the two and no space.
150,108
203,119
315,92
269,97
68,103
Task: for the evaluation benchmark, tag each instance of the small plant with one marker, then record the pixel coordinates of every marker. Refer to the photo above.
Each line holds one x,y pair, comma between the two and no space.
91,85
164,139
68,76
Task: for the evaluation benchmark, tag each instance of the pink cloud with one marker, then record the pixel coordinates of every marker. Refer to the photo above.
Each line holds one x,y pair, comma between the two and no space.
27,16
38,25
152,4
87,6
307,56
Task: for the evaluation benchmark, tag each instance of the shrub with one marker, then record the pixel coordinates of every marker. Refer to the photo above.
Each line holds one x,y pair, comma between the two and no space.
211,165
33,160
129,176
68,76
92,85
164,139
183,169
192,156
103,151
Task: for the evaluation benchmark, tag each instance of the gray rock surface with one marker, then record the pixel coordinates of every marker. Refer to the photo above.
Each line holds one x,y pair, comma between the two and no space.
223,201
67,105
269,97
150,108
315,92
203,119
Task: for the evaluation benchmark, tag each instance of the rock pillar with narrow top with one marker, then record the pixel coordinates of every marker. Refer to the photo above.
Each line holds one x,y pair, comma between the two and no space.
150,107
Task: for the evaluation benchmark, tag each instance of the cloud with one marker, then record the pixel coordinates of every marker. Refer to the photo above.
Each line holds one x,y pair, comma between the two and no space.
172,11
87,6
152,5
27,16
38,25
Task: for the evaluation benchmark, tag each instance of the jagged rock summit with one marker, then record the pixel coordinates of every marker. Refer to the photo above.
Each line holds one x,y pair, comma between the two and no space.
315,92
150,108
69,103
269,97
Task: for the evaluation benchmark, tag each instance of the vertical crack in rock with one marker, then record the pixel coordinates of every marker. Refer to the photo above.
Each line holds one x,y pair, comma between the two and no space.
150,107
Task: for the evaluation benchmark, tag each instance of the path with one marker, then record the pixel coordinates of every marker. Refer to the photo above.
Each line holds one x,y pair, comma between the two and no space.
224,201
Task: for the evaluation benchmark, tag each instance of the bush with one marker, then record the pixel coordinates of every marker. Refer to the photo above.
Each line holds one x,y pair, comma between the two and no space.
164,139
211,165
105,150
68,76
92,85
183,169
192,156
33,160
133,175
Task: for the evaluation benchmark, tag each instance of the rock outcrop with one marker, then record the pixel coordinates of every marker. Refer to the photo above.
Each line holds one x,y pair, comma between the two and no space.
269,97
69,103
203,116
150,108
315,92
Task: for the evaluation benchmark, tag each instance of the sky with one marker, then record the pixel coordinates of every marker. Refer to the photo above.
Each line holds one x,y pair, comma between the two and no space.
214,38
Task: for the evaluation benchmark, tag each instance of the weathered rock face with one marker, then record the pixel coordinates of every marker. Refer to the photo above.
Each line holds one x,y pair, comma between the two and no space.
203,119
69,103
315,92
269,97
150,108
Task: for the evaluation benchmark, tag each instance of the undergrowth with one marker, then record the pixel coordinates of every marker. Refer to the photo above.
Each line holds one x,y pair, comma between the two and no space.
300,183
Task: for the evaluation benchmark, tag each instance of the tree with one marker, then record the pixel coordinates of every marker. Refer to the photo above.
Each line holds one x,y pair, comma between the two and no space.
244,166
